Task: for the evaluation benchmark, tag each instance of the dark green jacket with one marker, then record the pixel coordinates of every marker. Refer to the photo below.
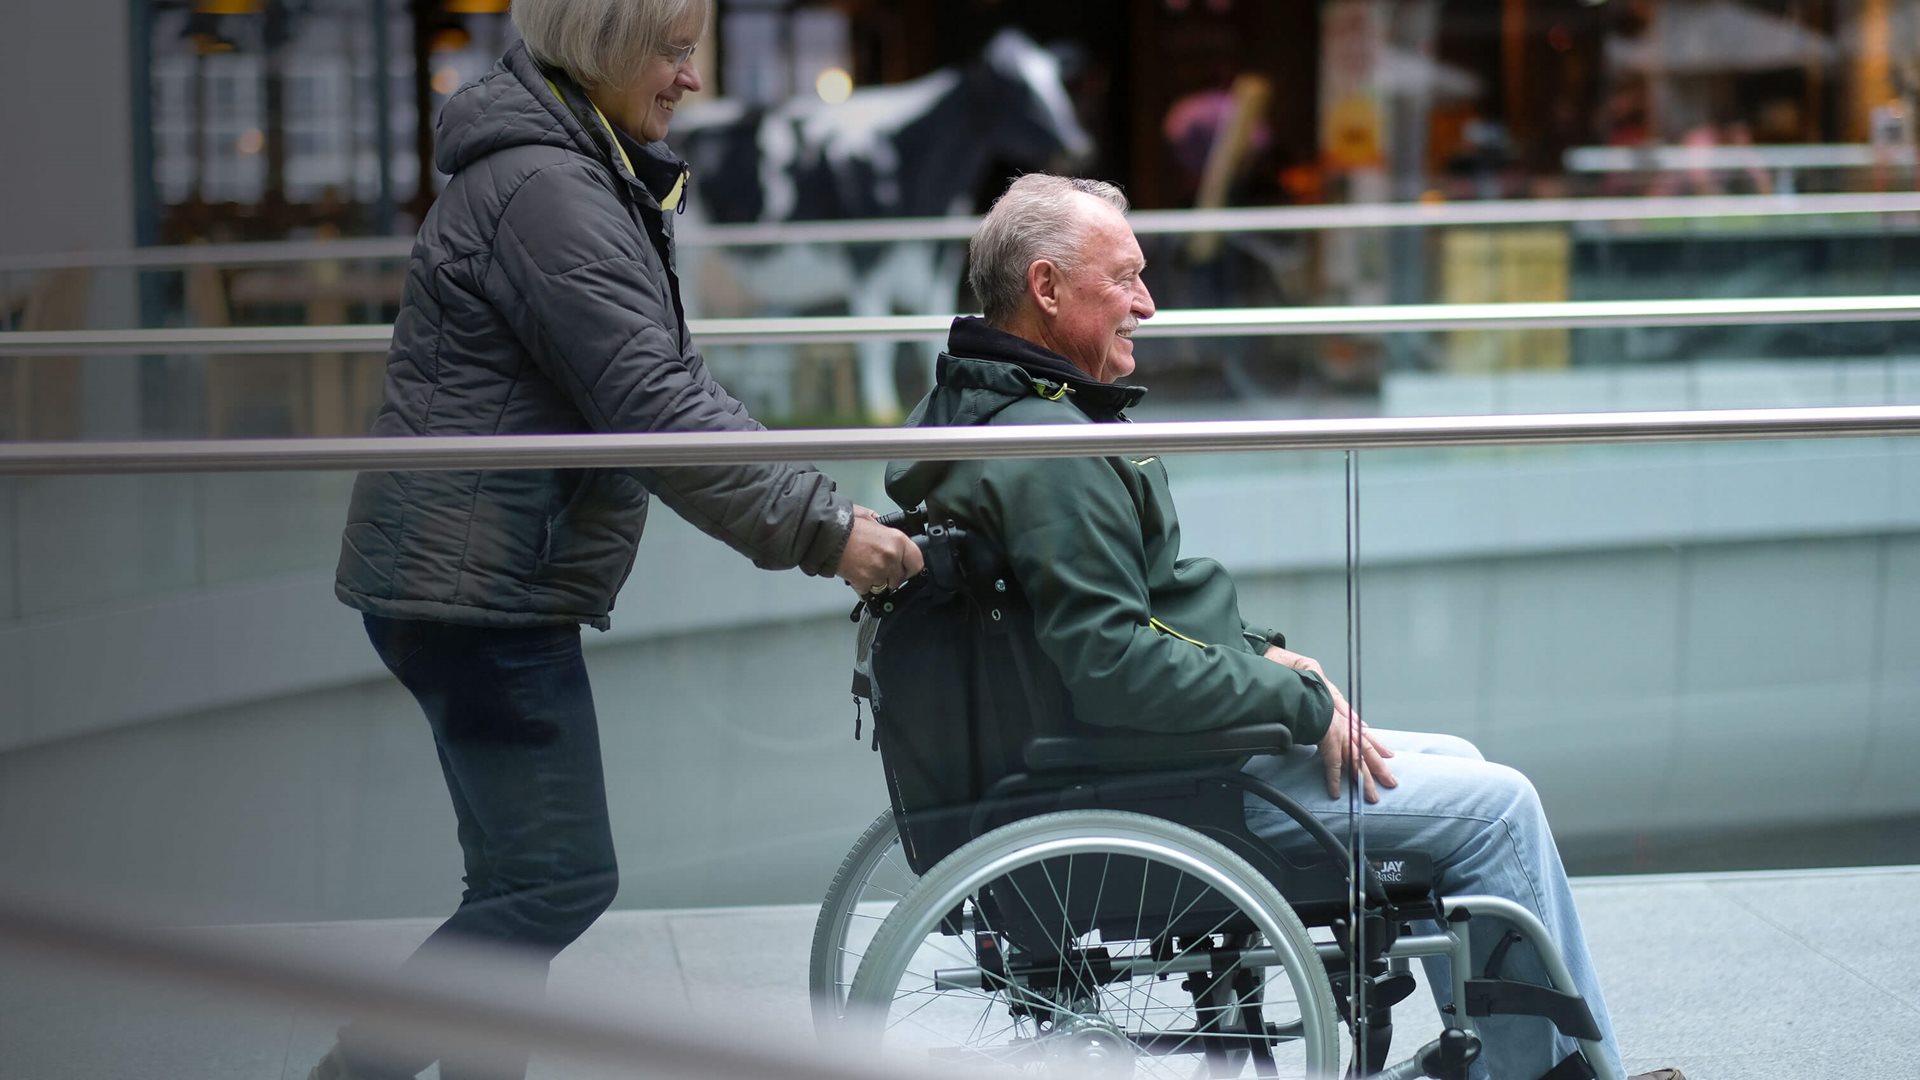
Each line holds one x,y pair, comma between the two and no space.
1143,638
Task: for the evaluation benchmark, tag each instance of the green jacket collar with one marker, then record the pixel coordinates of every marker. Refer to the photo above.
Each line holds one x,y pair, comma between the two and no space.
1047,373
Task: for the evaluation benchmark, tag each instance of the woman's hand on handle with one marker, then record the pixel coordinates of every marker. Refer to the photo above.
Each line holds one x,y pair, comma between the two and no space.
877,557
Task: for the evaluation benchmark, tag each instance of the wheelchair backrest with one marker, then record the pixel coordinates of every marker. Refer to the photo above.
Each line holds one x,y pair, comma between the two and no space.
959,686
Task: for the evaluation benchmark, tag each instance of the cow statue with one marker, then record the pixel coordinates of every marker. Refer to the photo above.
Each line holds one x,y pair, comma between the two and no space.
907,150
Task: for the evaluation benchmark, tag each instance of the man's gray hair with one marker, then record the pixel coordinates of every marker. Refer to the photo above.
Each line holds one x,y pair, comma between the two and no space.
602,42
1037,218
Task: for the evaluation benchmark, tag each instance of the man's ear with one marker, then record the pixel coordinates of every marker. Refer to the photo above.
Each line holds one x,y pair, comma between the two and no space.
1043,286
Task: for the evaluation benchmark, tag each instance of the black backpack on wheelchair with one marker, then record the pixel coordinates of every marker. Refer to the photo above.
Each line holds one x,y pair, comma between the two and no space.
958,687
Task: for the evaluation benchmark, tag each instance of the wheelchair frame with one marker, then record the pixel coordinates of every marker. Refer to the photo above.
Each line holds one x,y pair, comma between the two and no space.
1068,773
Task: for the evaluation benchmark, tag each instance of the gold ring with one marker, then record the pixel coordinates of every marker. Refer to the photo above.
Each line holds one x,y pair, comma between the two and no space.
877,590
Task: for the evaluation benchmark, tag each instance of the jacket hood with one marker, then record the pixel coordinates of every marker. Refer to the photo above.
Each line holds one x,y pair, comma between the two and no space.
515,105
985,371
511,105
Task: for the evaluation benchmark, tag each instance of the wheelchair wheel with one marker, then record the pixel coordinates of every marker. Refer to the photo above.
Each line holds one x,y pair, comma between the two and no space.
1097,943
871,879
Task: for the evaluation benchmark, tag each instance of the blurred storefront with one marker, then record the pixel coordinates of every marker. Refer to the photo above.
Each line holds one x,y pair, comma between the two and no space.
269,117
266,120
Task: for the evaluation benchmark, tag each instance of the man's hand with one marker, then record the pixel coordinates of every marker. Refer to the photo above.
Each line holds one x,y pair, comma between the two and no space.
877,557
1337,744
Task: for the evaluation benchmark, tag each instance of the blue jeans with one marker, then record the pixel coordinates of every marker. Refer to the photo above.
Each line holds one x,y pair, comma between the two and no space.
1483,826
519,746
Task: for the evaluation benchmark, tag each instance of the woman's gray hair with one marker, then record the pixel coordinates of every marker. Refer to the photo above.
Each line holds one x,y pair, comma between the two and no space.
602,42
1035,219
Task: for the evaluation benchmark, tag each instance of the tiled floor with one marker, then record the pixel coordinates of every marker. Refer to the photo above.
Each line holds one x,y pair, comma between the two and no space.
1733,977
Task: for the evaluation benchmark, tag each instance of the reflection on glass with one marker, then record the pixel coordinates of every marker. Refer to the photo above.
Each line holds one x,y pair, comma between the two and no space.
209,739
1607,621
1600,618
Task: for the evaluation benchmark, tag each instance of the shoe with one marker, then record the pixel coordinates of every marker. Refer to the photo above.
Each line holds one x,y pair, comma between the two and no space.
1659,1074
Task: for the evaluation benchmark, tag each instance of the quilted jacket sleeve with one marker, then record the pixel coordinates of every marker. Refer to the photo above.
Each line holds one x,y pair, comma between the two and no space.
596,317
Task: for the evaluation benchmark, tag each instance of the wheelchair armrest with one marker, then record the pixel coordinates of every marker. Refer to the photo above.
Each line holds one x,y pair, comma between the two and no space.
1059,753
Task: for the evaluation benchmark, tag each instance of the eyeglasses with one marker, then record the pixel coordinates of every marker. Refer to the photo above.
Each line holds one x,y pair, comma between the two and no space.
680,54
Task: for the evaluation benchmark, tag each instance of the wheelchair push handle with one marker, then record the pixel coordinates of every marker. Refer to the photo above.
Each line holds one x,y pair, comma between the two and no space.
912,522
915,522
951,558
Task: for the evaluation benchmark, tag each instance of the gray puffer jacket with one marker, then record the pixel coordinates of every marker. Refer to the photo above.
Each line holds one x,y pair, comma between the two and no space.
541,299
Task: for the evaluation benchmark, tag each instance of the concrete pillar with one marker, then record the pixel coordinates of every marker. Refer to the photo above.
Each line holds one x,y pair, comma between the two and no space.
69,184
69,181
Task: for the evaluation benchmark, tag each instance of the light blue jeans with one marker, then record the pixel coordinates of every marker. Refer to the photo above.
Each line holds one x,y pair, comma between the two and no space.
1484,828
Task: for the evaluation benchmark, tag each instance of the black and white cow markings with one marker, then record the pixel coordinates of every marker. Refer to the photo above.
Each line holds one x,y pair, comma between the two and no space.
913,149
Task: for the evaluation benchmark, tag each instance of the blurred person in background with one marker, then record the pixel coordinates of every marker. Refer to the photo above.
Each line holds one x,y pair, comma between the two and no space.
542,298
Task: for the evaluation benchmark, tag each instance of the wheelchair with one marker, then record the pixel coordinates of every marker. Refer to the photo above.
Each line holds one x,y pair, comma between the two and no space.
1047,898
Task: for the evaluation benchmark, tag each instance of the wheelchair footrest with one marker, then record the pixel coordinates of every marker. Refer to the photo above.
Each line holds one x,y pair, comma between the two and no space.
1568,1012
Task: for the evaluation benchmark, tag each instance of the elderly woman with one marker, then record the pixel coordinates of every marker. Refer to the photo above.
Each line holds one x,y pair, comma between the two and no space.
542,298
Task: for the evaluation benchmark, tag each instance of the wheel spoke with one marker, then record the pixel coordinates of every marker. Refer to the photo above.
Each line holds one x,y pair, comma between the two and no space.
1043,976
872,876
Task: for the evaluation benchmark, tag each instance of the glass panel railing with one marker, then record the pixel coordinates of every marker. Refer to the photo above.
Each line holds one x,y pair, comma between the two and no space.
1615,603
66,1019
1689,651
226,748
130,629
93,995
222,749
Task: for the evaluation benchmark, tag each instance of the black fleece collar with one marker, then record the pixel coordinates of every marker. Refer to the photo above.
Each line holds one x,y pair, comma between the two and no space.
972,336
653,165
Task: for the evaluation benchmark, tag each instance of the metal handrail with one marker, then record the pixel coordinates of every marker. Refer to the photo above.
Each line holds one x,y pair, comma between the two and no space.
1360,216
1192,322
474,1014
1676,158
1145,222
949,444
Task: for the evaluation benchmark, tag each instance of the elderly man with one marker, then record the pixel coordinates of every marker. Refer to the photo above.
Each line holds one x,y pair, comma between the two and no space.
1139,633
